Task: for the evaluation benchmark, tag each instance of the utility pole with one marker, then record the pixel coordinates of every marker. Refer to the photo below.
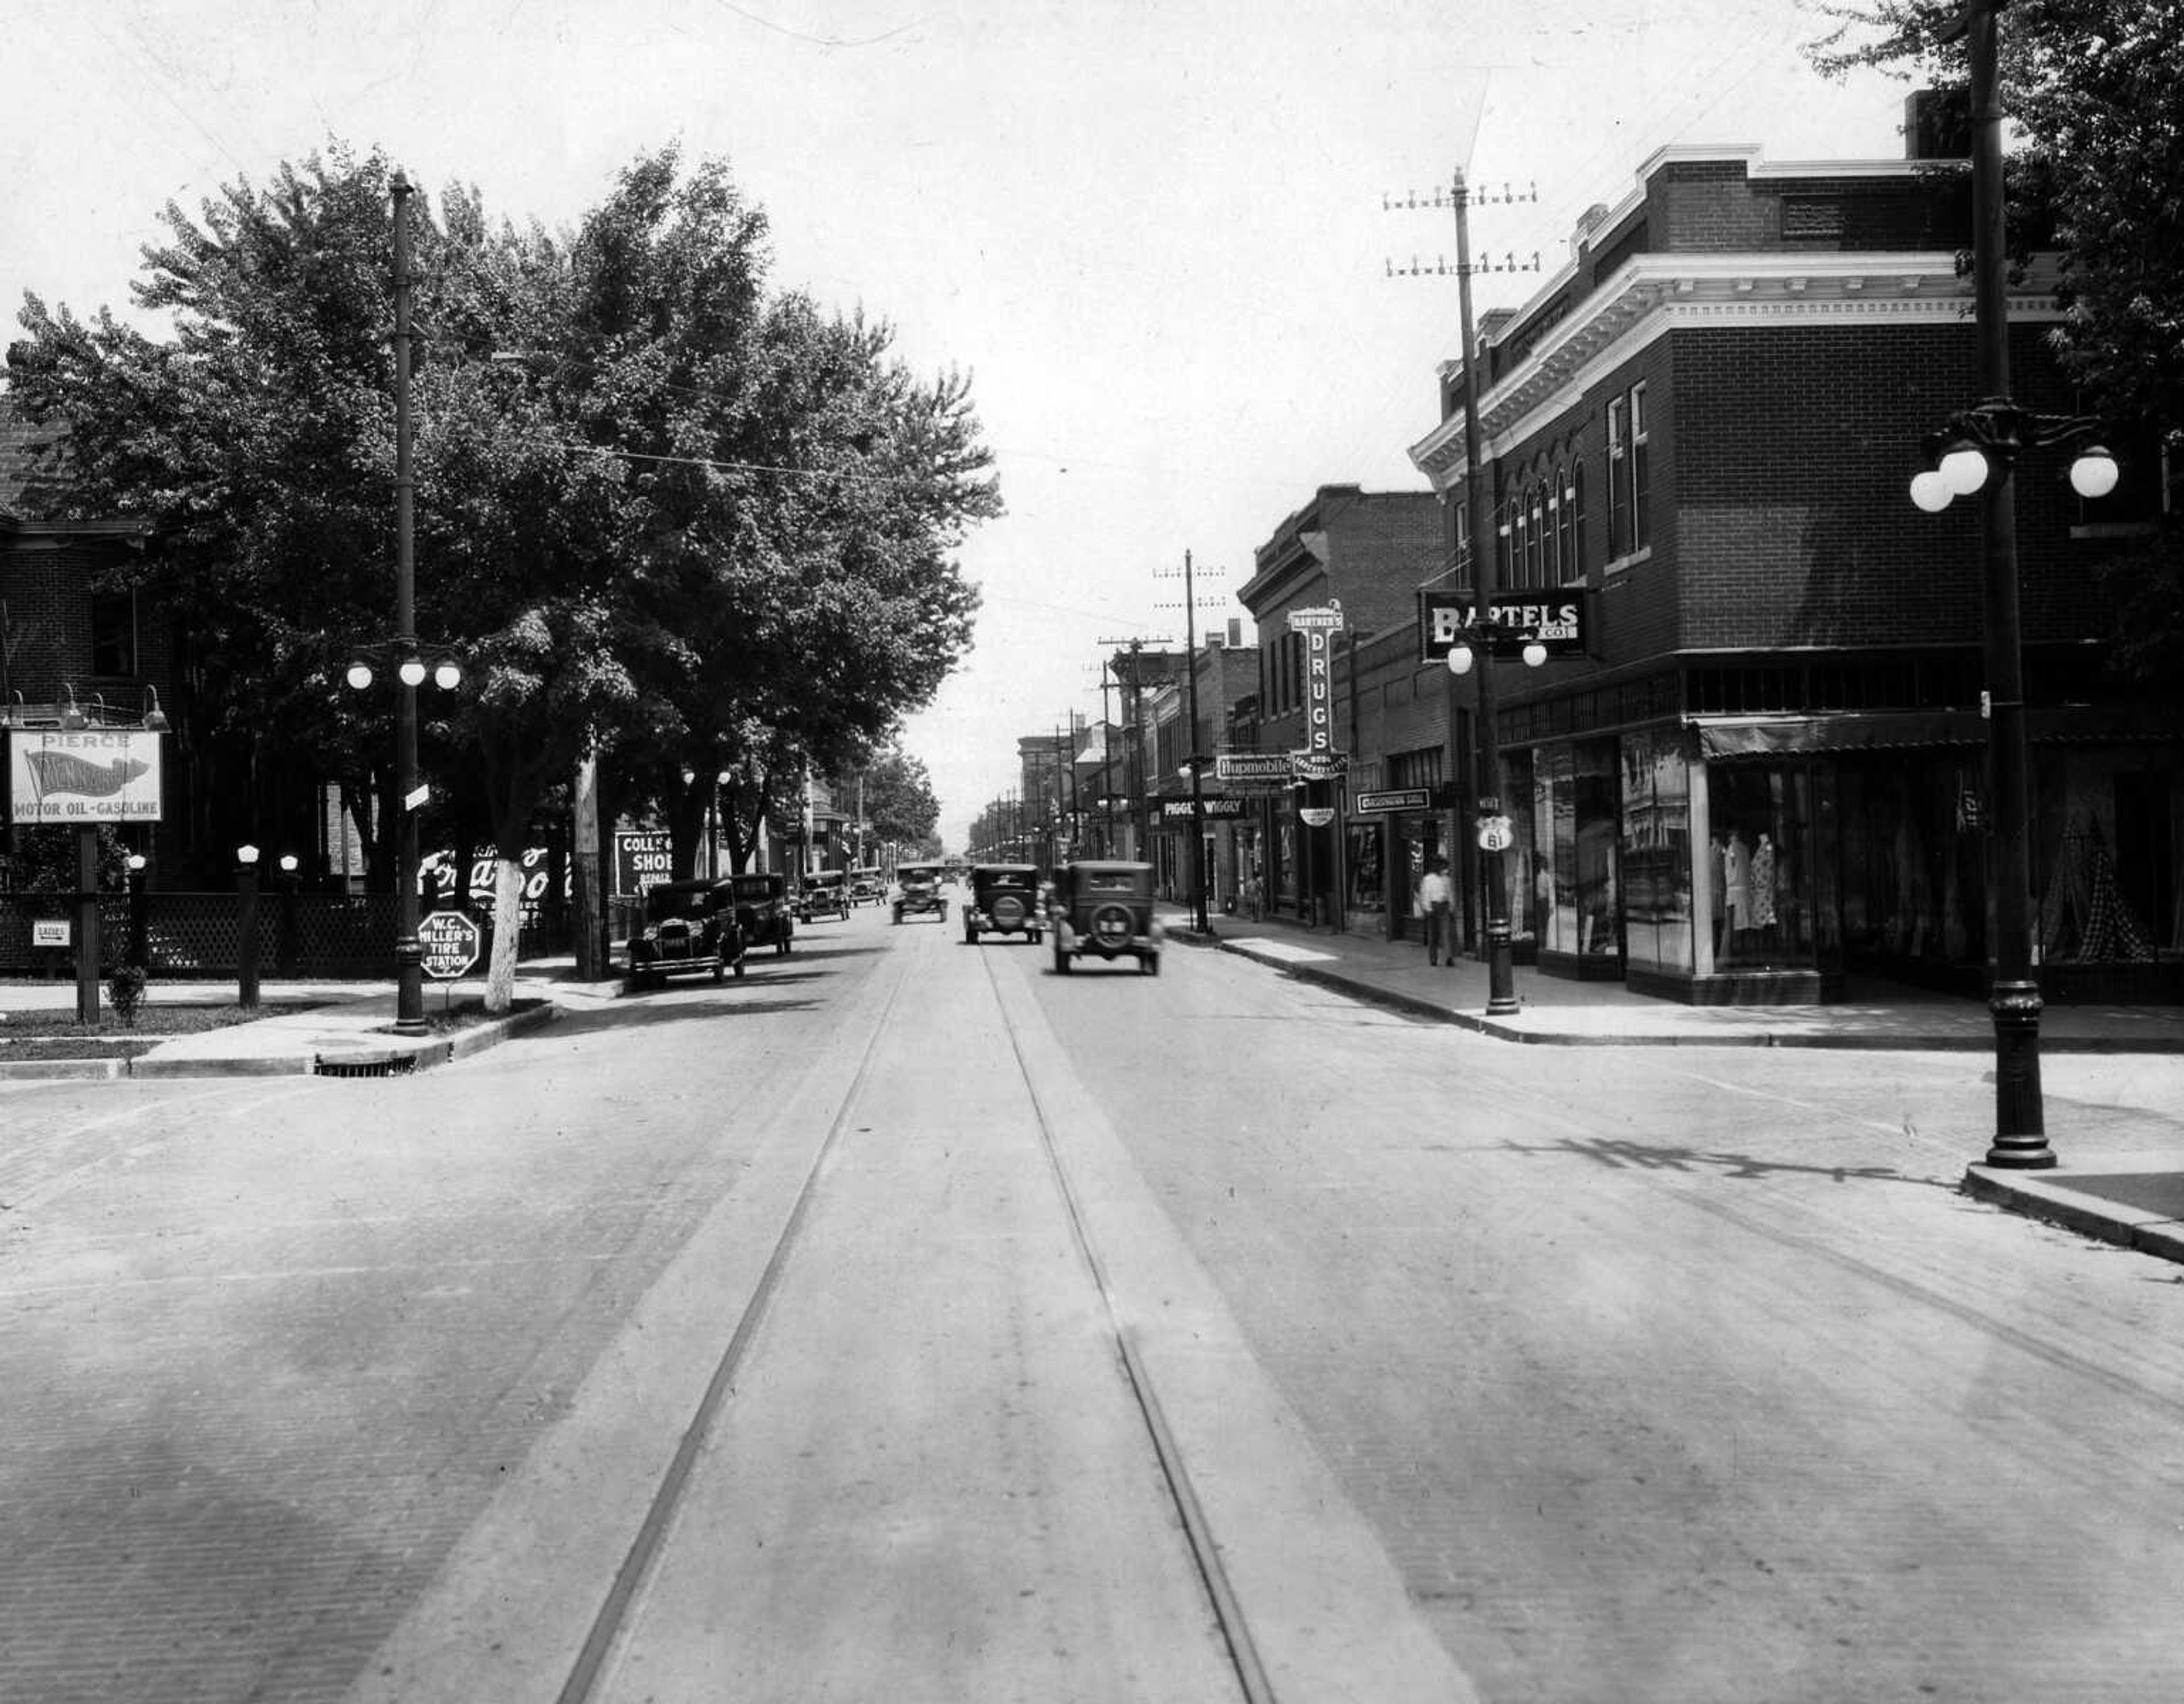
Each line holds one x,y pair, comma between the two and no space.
1197,757
408,950
1134,758
1500,975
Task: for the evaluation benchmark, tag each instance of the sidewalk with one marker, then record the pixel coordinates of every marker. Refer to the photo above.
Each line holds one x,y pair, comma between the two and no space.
2132,1195
323,1029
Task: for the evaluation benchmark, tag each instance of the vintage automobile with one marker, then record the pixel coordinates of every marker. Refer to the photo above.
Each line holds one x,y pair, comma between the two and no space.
1105,908
918,892
825,894
688,926
763,912
867,885
1004,901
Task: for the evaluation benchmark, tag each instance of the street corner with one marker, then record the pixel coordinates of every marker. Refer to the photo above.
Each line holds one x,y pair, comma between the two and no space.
2135,1201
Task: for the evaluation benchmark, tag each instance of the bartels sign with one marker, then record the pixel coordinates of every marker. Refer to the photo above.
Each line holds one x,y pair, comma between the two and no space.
1556,619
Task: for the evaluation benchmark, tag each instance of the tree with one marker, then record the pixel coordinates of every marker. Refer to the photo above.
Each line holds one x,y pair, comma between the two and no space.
2092,86
899,801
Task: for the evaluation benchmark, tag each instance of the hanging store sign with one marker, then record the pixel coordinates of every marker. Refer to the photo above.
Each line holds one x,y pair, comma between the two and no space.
79,776
1319,766
1315,815
1319,626
1555,619
1215,809
1252,768
1394,798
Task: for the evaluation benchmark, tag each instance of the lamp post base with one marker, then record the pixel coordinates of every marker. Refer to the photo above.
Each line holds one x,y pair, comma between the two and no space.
1501,1000
2020,1142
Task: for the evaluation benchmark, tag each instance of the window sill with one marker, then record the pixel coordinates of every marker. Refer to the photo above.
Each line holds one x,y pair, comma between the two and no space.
1644,552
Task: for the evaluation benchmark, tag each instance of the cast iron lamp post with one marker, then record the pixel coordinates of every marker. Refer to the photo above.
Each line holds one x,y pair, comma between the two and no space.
246,926
1980,448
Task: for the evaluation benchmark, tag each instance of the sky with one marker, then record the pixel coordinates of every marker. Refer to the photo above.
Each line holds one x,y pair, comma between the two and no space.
1153,234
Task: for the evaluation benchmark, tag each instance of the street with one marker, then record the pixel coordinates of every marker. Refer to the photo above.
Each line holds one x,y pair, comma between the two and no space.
906,1321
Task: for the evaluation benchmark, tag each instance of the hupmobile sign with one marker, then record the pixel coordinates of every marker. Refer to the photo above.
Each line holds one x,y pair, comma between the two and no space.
79,777
1555,619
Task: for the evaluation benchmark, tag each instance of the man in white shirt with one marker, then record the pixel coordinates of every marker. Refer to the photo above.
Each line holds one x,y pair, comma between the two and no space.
1435,894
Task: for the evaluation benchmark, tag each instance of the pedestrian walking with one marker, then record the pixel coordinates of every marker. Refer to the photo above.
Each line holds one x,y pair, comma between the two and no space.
1435,896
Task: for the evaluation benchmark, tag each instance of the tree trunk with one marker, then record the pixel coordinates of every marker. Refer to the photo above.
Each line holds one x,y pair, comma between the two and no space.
591,895
507,933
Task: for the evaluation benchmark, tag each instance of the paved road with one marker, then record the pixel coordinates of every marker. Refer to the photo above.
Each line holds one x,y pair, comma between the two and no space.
1623,1376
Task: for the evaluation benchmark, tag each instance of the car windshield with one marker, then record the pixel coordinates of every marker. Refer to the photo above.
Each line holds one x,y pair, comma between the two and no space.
917,873
663,903
1109,881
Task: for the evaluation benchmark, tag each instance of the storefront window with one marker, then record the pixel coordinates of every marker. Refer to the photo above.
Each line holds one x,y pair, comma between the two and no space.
1366,882
1759,844
1914,858
1554,861
2107,879
1596,809
1656,852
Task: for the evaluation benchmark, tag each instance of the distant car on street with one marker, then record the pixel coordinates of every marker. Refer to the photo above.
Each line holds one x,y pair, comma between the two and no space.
867,885
1104,908
825,894
1005,900
919,894
686,927
763,912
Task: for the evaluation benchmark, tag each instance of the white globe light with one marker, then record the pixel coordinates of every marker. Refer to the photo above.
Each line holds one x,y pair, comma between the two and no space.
2093,473
1534,653
359,675
246,854
413,673
1930,491
1964,470
1459,660
447,678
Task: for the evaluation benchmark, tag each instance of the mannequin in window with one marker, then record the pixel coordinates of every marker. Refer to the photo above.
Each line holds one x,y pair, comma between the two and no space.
1763,890
1720,896
1736,889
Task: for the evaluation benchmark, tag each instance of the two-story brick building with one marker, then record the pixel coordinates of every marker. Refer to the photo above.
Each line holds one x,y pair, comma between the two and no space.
1366,552
1769,769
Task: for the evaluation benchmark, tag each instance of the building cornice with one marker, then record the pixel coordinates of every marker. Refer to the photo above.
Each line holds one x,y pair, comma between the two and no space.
1658,293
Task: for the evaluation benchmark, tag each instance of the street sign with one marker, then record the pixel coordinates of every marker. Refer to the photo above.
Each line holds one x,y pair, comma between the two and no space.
1495,834
451,941
1394,798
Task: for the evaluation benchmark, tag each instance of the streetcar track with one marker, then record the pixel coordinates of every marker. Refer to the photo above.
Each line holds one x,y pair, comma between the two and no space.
1227,1610
607,1625
611,1620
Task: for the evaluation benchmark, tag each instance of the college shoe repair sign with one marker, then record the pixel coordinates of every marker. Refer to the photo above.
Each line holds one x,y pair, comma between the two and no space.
1447,619
79,776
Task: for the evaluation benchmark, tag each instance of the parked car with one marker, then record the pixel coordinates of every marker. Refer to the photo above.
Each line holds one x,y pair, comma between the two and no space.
867,885
1004,901
825,894
1105,908
763,912
919,894
688,926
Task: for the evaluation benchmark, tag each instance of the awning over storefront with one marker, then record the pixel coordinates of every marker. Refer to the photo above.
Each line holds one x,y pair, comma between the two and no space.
1734,736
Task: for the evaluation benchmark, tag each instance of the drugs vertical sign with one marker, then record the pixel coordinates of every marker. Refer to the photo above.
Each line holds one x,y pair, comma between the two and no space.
1317,759
74,777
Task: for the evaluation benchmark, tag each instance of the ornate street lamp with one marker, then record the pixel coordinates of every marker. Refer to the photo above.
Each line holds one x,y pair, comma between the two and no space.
1976,452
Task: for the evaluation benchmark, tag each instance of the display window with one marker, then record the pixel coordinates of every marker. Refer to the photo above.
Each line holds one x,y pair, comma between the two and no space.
1367,881
1656,852
2106,878
1568,880
1759,818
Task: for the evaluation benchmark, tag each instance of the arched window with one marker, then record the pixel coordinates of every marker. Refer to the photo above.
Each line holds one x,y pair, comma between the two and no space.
1564,503
1576,499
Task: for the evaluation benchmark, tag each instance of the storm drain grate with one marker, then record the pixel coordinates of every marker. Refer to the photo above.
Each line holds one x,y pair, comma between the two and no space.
400,1065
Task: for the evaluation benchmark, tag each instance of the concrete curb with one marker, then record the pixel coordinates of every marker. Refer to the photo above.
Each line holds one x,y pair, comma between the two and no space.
422,1055
1418,1006
2058,1204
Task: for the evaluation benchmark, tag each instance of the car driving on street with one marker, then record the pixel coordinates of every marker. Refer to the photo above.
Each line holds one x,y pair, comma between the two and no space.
919,894
1004,901
1104,908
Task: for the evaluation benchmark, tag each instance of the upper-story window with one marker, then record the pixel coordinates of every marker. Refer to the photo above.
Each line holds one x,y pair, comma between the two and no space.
1629,498
1463,541
1618,484
114,633
1564,505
